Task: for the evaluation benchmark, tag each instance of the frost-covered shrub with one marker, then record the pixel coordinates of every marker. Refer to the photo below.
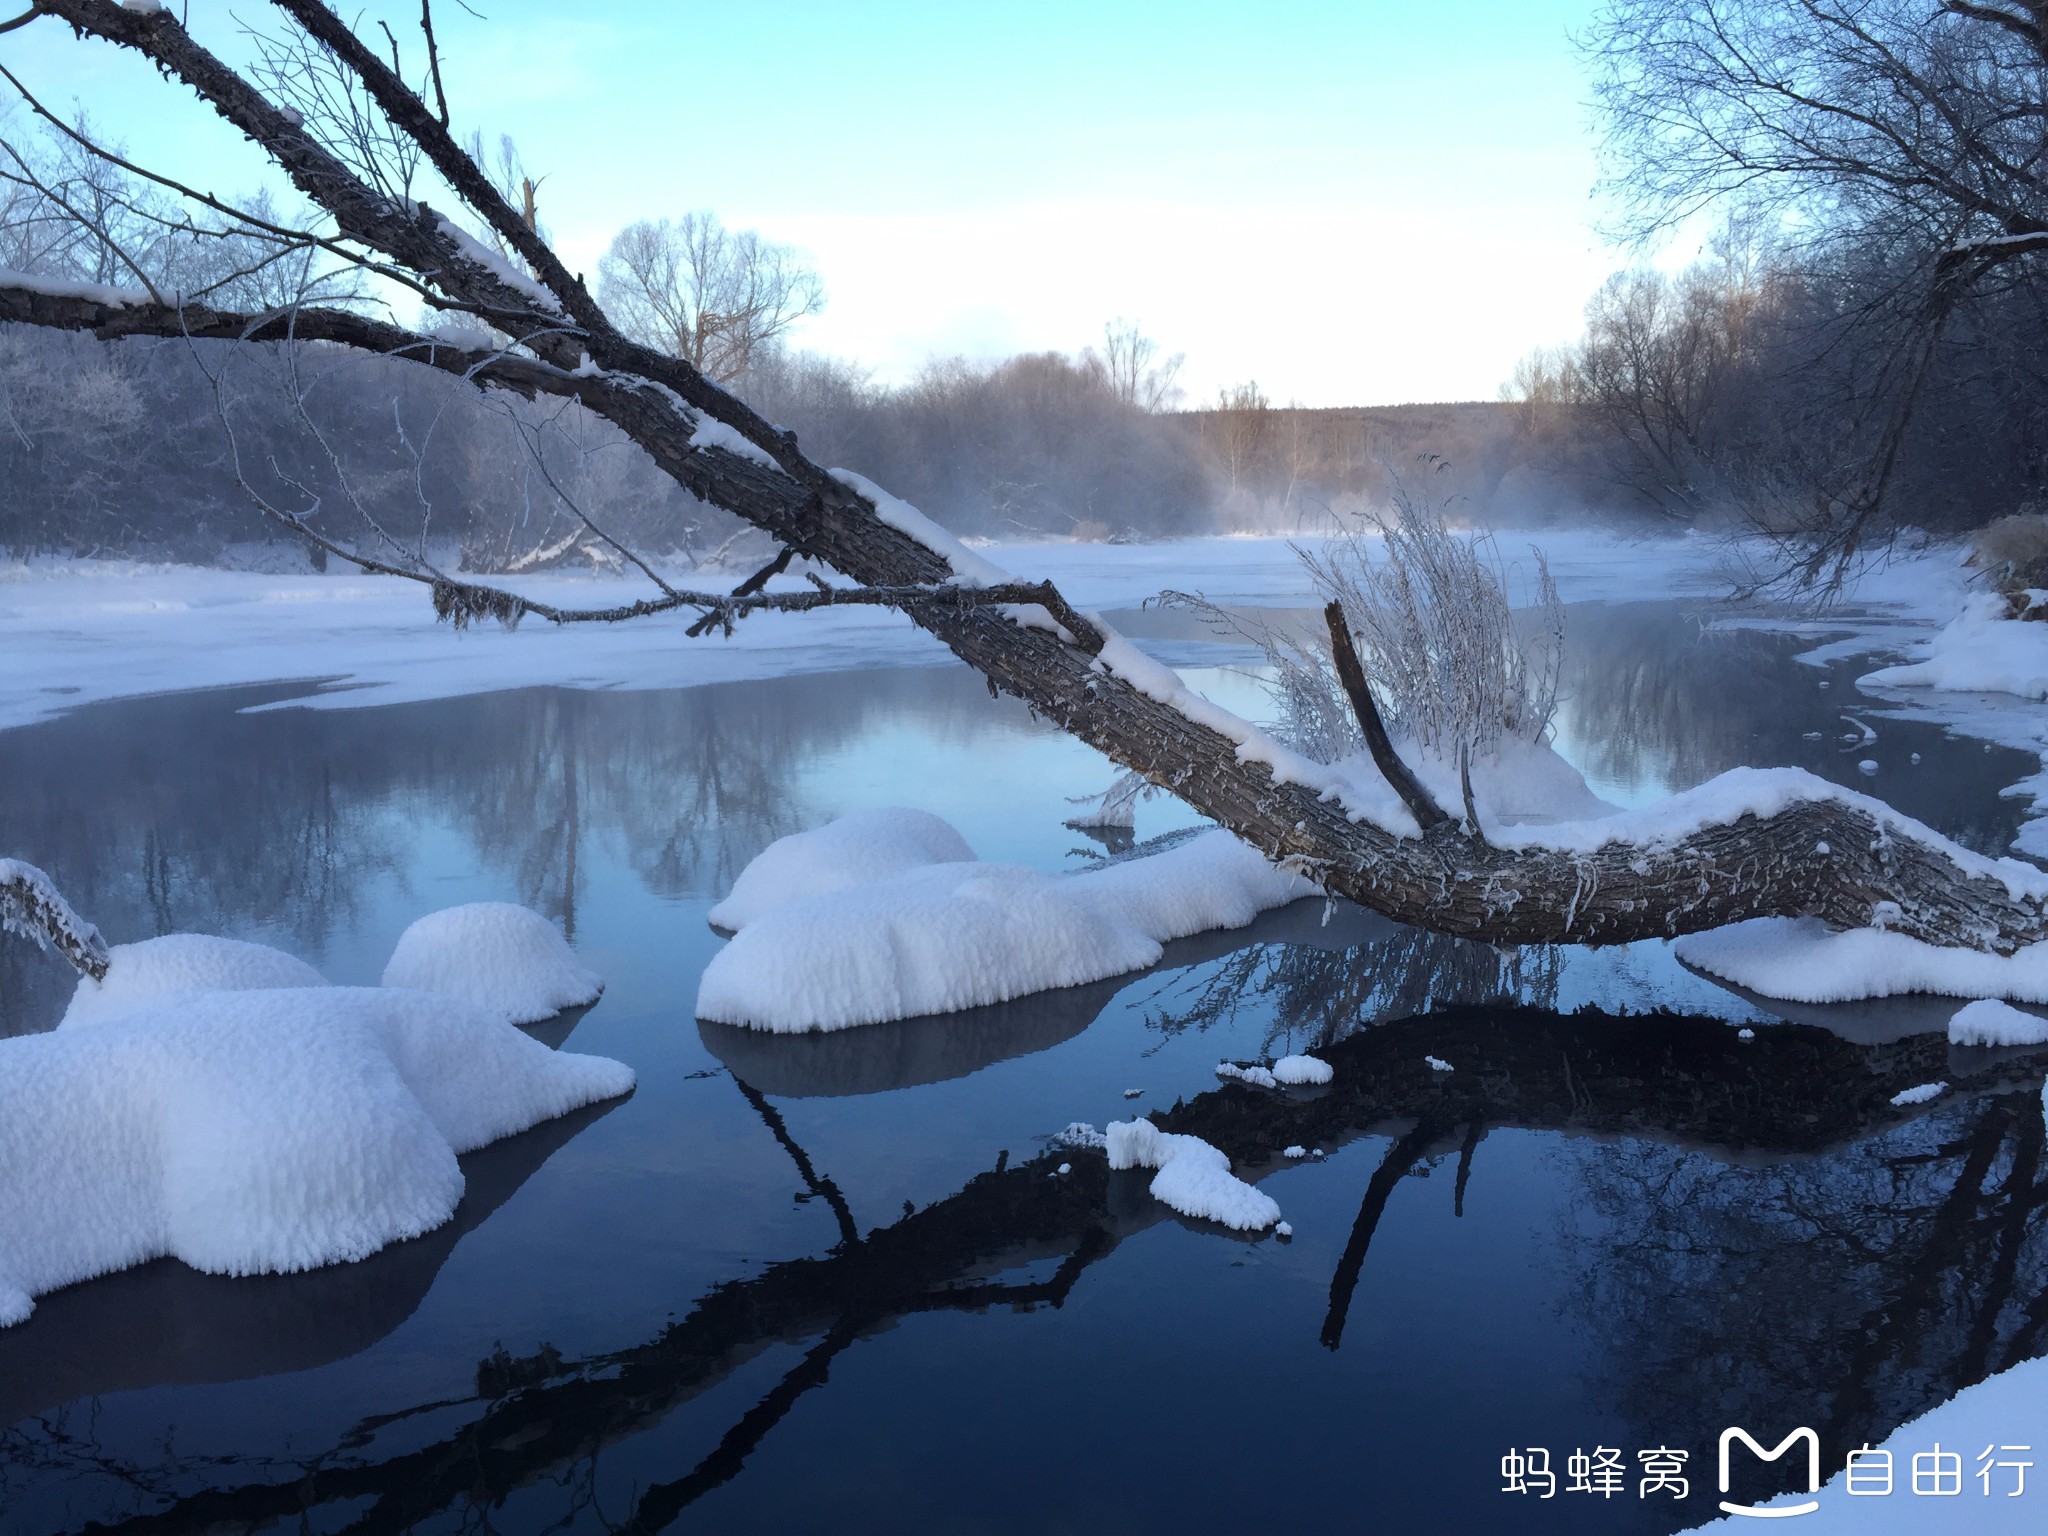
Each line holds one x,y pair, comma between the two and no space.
1430,612
2013,552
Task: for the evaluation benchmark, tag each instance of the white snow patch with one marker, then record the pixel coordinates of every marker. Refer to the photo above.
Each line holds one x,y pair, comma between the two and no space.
478,254
502,958
1990,1022
1919,1095
1301,1071
1438,1064
1257,1076
257,1131
1761,792
1295,1151
1080,1135
464,333
1803,961
100,629
1980,652
861,846
182,962
1194,1178
712,433
66,288
969,569
944,936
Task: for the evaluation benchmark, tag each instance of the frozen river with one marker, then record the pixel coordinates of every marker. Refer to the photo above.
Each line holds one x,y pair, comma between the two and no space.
837,1283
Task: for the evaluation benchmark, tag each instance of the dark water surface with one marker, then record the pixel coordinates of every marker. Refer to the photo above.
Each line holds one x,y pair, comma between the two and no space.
835,1284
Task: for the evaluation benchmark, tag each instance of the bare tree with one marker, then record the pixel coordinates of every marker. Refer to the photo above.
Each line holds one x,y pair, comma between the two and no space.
708,295
1137,375
1908,126
1242,415
1711,869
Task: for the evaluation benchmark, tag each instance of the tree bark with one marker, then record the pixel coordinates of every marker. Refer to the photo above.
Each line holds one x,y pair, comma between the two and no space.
1443,879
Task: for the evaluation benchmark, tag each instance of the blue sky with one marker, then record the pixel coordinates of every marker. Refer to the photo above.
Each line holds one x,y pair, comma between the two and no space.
1359,203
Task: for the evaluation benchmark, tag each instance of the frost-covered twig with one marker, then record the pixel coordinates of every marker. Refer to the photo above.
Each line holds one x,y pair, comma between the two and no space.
1435,628
32,907
1115,808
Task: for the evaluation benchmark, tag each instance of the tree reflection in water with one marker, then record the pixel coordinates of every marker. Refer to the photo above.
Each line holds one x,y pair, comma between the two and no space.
1315,994
1864,1285
1906,1250
1758,1218
184,814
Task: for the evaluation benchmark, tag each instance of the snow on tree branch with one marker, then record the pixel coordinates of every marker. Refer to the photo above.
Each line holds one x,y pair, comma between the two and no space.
32,907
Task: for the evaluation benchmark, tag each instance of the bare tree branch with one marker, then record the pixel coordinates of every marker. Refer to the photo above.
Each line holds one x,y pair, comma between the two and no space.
1427,813
32,906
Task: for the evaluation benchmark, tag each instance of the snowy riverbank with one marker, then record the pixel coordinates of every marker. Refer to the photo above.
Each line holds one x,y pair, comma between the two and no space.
78,631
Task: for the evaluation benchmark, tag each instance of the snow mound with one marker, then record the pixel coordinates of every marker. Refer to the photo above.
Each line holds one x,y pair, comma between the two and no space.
945,936
1990,1022
1194,1178
1302,1071
183,962
1258,1077
1982,651
502,958
866,845
1287,1072
1803,961
258,1131
1919,1095
1080,1135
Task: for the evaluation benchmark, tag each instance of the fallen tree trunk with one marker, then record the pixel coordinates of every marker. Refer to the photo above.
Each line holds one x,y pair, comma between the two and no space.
1833,857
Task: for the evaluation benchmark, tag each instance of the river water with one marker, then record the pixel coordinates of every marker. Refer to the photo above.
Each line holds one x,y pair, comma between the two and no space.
837,1284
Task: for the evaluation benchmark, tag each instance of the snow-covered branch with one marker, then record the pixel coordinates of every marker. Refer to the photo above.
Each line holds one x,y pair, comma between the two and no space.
32,907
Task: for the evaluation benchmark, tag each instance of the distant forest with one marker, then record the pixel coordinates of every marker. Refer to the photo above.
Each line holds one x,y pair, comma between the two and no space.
124,448
120,448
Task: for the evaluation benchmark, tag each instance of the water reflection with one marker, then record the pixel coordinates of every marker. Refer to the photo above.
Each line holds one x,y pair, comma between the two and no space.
180,813
1695,1208
1657,698
1693,1166
1869,1284
1317,994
